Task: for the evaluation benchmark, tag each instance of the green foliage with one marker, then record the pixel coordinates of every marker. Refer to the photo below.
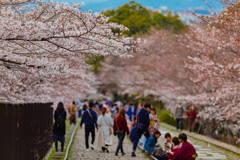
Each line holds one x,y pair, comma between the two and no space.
133,15
167,22
165,116
139,19
95,62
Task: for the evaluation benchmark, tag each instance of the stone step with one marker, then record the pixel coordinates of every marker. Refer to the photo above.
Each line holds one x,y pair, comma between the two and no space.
57,157
58,154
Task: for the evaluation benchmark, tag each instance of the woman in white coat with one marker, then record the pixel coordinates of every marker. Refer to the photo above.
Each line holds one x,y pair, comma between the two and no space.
105,124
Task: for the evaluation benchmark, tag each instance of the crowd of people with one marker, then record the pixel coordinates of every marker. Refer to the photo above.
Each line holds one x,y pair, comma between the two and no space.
140,123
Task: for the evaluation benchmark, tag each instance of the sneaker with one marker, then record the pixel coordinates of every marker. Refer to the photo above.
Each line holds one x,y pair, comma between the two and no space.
133,154
116,155
87,150
123,153
92,147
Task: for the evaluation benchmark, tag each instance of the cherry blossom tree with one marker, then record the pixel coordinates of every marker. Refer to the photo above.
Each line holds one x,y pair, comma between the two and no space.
45,43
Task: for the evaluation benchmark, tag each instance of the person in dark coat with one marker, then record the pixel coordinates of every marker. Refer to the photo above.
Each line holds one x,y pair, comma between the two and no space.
59,127
143,123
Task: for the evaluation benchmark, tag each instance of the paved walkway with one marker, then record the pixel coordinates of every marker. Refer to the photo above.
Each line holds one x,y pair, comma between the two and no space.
78,150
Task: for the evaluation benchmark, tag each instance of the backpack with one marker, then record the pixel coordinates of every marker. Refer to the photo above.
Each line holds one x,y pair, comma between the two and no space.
84,107
60,120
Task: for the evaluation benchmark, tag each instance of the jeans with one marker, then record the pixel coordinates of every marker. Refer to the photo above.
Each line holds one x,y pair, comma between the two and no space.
140,132
120,142
89,129
181,123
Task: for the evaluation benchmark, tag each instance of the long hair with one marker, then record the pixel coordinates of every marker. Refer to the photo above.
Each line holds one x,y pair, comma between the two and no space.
194,110
122,112
154,135
60,106
103,110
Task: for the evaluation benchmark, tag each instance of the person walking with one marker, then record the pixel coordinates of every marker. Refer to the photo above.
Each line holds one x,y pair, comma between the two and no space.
154,122
79,105
120,129
178,116
73,112
143,122
115,111
132,111
192,115
84,105
105,124
59,127
89,118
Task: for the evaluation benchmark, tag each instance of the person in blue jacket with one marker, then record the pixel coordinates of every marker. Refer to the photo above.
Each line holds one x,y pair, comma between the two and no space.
151,143
132,111
143,122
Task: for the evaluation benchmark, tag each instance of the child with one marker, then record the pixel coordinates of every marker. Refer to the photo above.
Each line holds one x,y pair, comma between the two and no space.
168,144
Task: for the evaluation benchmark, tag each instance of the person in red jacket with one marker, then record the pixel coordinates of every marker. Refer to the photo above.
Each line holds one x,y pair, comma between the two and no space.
192,115
175,143
186,152
120,129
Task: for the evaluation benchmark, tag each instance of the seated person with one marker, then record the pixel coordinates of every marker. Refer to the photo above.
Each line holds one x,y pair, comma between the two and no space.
150,145
175,144
133,134
168,144
186,152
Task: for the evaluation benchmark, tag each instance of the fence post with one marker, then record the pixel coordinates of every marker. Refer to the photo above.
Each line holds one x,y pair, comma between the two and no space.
3,133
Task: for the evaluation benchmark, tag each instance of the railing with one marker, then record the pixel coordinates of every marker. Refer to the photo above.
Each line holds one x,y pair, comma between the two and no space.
26,130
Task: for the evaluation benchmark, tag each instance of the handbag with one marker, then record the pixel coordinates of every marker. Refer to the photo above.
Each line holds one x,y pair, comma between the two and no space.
110,129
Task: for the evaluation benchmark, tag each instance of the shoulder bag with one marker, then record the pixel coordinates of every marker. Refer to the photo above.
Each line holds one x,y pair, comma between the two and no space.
110,129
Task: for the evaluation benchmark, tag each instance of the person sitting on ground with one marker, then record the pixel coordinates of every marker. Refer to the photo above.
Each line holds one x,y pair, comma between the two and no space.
175,143
150,146
186,152
168,144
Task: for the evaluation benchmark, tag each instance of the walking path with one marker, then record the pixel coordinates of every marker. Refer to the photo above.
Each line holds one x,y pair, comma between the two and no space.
78,149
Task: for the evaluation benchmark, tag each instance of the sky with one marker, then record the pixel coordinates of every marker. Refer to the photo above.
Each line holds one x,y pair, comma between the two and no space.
174,5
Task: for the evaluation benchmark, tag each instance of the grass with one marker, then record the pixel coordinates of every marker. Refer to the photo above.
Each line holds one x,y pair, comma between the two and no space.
70,153
59,144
